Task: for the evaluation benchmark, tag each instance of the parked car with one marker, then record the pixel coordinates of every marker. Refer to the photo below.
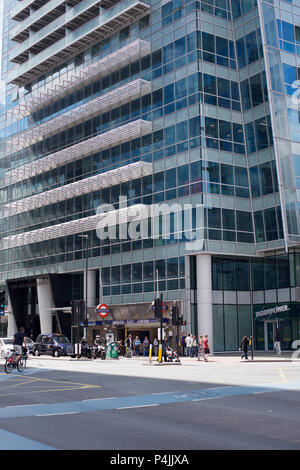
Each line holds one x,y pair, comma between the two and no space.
29,345
53,344
5,347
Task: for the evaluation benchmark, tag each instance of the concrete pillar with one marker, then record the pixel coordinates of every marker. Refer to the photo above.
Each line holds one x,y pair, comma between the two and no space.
11,324
204,297
91,287
45,302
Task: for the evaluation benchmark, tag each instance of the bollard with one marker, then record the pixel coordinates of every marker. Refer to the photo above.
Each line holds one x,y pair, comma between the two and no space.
160,353
150,352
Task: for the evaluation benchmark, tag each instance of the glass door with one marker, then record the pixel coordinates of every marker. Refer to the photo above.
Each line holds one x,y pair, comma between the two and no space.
270,335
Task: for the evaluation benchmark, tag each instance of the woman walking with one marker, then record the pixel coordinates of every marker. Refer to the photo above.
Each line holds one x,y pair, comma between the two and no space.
200,348
194,346
244,347
205,347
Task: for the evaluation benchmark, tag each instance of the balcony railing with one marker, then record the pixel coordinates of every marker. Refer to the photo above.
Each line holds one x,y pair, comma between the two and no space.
78,188
134,213
107,23
74,80
82,149
101,104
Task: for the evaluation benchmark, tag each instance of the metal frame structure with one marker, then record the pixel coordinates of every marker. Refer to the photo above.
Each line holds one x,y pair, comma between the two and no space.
79,188
83,148
101,104
76,79
95,222
106,23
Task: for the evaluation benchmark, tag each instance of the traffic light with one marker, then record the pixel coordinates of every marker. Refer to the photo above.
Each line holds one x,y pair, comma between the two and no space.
175,317
2,301
158,308
78,311
181,321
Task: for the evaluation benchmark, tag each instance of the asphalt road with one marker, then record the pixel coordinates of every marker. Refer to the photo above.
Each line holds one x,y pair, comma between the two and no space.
127,405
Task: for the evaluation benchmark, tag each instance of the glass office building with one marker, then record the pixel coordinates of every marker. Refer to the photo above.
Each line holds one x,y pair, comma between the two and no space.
152,147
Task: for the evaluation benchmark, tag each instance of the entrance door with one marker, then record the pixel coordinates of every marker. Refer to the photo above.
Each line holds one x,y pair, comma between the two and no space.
270,335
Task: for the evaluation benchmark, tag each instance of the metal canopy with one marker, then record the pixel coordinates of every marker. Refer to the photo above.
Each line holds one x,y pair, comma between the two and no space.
83,148
134,213
78,188
101,104
74,80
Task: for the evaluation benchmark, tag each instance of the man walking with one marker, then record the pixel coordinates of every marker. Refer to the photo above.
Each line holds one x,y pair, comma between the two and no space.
277,347
146,346
188,342
137,343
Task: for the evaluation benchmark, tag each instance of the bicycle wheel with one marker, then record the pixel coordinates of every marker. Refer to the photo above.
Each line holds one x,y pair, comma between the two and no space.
21,364
8,366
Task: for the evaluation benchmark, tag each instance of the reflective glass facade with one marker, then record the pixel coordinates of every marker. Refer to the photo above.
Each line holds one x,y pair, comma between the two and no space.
224,117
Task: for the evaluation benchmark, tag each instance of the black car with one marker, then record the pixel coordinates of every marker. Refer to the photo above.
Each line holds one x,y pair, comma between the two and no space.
53,344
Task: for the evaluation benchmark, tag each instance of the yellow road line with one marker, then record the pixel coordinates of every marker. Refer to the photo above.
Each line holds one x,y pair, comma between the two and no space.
43,391
283,376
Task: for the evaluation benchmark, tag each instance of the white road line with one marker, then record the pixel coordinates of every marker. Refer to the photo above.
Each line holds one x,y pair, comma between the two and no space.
96,399
138,406
58,414
16,406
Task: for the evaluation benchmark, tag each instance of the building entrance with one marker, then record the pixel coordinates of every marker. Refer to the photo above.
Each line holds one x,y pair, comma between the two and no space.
284,328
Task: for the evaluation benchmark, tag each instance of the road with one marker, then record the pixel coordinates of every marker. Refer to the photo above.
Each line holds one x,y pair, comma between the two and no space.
130,404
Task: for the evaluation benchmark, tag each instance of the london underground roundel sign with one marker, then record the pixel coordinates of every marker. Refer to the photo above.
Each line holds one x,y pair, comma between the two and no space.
102,310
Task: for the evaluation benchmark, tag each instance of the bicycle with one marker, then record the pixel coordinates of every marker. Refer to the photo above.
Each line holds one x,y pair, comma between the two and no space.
11,362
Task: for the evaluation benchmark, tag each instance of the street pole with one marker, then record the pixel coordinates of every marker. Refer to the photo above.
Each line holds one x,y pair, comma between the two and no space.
161,326
86,237
251,313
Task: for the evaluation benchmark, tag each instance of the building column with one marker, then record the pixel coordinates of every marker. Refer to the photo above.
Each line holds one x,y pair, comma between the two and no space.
11,323
204,297
91,287
45,302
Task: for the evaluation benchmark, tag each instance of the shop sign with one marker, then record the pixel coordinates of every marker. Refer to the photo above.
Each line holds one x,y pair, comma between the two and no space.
272,311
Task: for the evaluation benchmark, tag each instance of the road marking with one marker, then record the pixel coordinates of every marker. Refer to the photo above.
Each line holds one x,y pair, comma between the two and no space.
11,441
33,404
140,401
59,414
136,406
283,376
96,399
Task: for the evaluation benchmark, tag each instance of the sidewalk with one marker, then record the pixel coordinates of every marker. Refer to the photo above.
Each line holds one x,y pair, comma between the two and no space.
259,356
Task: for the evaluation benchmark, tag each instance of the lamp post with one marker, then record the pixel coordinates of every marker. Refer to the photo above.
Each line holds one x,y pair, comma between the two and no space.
86,238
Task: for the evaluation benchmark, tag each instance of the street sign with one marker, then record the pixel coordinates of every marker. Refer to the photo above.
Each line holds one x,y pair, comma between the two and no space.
102,310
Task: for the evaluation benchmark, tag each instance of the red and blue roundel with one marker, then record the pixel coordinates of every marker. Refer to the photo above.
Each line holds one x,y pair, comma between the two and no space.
102,310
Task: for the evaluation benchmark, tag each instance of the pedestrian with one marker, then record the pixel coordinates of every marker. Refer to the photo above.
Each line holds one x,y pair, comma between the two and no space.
244,347
183,345
277,347
129,345
109,339
137,343
194,346
205,347
146,346
165,345
188,342
155,344
201,348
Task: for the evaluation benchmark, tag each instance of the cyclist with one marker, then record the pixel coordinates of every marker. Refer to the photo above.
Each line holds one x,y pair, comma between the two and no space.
18,339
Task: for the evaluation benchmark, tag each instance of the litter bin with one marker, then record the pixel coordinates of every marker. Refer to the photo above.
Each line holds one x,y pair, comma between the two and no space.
114,350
